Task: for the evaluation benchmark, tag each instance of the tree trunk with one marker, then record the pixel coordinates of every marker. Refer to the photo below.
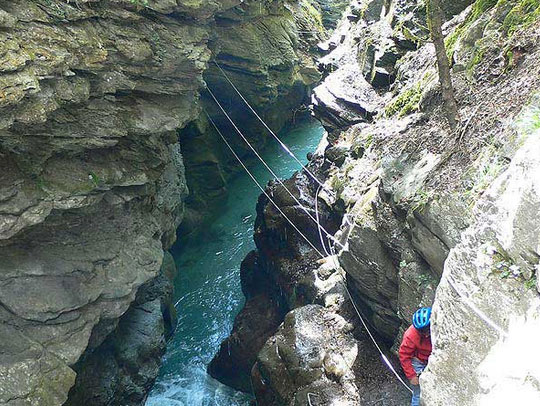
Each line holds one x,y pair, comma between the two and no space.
435,21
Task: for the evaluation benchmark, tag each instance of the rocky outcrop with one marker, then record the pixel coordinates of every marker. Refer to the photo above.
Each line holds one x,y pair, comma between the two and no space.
121,370
93,95
332,11
266,50
92,177
269,277
313,350
492,274
405,188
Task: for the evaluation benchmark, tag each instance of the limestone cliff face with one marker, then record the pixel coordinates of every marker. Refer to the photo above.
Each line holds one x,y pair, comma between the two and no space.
266,49
418,203
93,181
493,270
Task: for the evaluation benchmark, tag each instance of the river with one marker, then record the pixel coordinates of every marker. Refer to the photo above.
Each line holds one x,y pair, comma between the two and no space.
208,289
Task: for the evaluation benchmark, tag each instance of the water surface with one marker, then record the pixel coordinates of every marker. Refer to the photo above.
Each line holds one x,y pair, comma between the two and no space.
208,289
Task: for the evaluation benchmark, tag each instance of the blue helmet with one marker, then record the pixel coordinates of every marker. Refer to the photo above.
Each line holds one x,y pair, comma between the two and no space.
421,317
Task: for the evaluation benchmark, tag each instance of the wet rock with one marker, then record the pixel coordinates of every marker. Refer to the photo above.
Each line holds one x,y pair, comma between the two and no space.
93,96
336,154
332,11
345,98
122,368
270,276
258,320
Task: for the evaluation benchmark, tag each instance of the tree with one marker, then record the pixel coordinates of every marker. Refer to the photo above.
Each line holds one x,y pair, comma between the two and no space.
435,18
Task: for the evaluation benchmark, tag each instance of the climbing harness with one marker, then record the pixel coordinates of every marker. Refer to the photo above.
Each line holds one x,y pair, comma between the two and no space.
331,237
259,185
281,143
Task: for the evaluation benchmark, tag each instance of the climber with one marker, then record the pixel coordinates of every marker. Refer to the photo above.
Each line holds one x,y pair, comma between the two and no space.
415,350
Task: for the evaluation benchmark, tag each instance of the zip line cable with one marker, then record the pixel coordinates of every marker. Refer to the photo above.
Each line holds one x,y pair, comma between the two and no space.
260,187
281,143
268,167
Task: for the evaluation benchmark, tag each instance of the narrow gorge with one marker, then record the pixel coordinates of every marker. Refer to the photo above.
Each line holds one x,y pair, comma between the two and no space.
140,265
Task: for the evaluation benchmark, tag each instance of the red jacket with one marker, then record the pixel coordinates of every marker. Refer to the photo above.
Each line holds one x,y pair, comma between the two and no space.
414,345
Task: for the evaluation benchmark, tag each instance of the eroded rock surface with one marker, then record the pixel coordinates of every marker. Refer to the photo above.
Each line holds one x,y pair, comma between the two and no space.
501,366
405,189
93,180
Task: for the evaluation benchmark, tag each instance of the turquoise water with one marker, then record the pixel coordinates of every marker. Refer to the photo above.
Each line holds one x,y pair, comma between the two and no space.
208,286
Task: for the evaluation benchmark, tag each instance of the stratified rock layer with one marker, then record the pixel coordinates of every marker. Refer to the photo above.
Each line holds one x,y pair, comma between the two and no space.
501,366
93,95
419,203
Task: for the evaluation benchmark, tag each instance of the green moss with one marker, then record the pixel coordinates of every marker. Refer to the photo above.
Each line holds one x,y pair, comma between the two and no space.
482,6
338,185
314,15
139,3
409,100
401,28
531,283
405,103
522,14
477,57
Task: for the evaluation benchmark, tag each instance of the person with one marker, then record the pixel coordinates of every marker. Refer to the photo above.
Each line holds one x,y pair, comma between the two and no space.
415,350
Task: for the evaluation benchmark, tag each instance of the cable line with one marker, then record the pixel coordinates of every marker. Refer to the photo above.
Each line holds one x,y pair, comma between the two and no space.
276,177
319,223
476,310
344,282
281,143
260,187
316,220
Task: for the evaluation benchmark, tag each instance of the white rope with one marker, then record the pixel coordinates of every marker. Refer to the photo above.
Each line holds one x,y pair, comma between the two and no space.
276,177
385,359
281,143
477,311
336,263
260,187
319,222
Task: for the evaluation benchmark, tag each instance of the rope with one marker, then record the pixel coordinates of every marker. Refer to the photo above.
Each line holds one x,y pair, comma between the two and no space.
331,237
281,143
334,256
384,357
316,220
319,223
259,185
477,311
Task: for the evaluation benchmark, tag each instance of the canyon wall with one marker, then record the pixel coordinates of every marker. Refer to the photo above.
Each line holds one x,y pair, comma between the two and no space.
420,207
98,105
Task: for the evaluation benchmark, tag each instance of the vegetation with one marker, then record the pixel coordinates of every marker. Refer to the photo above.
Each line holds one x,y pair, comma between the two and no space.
139,3
522,14
338,185
407,102
435,21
